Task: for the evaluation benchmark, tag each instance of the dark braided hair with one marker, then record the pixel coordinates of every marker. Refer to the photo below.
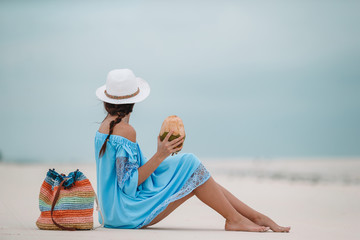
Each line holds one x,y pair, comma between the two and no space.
119,110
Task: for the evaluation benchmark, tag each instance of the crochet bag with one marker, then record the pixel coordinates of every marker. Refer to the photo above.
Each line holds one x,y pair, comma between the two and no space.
66,202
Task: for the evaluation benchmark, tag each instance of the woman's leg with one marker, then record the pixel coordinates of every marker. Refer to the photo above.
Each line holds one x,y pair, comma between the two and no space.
251,214
211,194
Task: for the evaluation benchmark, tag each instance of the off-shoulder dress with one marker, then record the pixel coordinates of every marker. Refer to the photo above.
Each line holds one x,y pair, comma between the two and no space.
126,205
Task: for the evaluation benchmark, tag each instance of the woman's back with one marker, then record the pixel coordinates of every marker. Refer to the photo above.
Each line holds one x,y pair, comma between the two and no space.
123,128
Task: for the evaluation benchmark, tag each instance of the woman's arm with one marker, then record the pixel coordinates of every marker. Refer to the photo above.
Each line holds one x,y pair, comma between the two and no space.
165,148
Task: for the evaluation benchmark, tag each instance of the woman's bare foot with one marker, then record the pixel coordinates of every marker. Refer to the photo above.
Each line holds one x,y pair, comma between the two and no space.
244,224
263,220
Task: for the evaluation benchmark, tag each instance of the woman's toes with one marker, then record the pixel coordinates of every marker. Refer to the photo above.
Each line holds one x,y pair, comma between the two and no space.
287,229
283,229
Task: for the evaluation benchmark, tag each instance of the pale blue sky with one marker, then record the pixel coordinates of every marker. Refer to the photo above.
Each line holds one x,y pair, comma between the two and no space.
248,78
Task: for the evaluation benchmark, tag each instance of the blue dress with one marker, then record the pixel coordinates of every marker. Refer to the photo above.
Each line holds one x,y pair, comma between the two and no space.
126,205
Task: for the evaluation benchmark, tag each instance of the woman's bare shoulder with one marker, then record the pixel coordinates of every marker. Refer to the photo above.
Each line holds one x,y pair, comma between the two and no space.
125,130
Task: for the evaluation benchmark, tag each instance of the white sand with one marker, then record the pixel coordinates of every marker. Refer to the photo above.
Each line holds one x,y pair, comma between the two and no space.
320,199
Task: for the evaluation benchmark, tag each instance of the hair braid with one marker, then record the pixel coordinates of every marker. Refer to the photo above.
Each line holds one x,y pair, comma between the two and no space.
121,110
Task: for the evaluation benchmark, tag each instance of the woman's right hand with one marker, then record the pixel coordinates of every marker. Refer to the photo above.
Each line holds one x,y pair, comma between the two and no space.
165,148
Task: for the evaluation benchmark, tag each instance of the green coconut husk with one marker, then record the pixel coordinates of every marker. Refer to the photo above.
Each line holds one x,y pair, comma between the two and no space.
172,137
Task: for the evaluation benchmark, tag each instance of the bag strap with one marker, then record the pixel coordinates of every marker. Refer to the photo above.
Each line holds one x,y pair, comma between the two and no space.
71,228
99,210
53,206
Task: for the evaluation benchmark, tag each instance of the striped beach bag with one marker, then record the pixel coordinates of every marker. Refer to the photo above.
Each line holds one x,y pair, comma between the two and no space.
66,202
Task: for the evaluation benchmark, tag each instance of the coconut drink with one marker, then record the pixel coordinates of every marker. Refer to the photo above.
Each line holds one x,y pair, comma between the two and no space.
175,124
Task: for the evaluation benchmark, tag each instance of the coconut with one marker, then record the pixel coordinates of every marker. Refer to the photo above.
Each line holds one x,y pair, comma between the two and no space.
175,124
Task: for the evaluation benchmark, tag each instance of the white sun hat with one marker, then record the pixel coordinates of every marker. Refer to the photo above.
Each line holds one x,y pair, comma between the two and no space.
123,87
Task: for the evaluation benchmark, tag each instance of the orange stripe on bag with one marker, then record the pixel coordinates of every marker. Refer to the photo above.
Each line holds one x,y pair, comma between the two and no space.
67,213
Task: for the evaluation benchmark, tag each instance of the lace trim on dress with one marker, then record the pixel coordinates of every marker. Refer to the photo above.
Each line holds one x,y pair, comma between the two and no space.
200,176
124,169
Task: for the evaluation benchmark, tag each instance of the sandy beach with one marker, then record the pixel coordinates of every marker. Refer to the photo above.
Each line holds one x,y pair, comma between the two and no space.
318,198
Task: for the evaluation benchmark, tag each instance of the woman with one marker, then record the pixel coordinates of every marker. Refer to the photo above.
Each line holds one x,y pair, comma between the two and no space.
135,192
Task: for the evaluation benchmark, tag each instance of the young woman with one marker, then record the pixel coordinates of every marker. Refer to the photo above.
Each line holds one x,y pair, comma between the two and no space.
135,192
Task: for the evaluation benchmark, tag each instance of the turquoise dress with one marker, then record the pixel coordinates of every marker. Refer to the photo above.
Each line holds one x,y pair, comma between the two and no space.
126,205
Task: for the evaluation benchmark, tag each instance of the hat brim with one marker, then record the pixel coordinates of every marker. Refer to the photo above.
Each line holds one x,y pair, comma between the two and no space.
144,91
